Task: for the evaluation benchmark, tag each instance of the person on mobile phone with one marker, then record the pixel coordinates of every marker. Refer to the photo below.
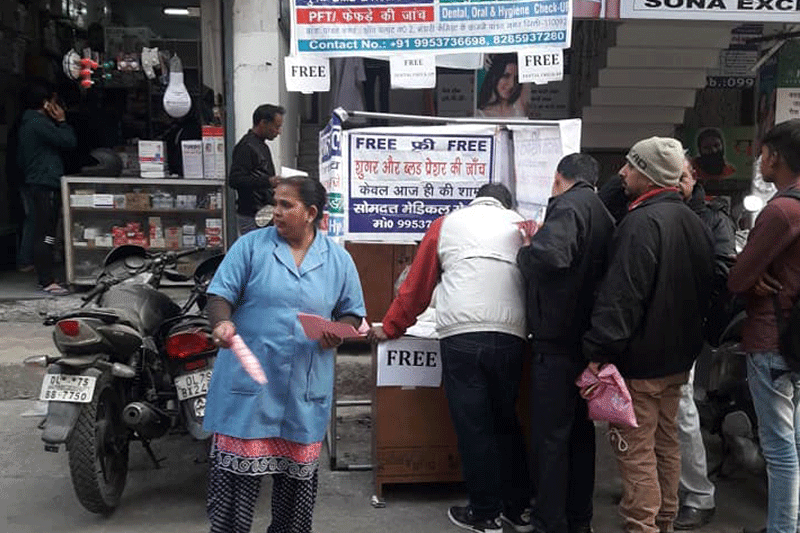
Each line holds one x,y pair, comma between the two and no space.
43,135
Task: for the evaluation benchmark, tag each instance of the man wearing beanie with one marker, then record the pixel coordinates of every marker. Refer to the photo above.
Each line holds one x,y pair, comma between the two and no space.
647,320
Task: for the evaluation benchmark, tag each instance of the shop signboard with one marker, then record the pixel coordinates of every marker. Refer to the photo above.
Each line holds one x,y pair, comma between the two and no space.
387,27
401,179
729,10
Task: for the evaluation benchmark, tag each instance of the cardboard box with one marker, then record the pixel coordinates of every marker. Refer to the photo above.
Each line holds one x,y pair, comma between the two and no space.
104,241
219,154
209,151
152,159
156,229
119,201
192,154
103,200
189,241
81,200
189,229
137,200
173,238
158,242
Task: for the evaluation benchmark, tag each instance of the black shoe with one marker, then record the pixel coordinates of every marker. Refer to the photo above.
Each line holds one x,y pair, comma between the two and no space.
463,517
520,522
692,518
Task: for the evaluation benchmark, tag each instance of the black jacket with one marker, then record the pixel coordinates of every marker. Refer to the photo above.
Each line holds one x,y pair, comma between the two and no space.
251,168
648,316
562,268
715,215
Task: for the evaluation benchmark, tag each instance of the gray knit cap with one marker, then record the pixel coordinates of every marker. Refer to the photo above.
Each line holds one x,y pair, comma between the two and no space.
660,159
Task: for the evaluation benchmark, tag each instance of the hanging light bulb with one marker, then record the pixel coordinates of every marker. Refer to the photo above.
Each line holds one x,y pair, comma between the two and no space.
177,101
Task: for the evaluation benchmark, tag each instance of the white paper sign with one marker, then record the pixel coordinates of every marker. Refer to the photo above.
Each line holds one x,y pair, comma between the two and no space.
409,362
413,72
540,65
307,74
787,104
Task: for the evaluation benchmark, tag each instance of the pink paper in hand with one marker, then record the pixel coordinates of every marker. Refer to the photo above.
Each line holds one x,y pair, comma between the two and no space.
529,227
314,326
248,360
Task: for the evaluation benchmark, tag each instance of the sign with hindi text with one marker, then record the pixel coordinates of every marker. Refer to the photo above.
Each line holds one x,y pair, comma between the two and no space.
402,179
385,27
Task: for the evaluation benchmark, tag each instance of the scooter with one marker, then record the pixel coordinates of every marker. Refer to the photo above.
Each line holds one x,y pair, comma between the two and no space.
133,365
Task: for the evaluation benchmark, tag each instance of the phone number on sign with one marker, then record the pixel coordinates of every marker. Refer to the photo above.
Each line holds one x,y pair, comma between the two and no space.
532,37
441,42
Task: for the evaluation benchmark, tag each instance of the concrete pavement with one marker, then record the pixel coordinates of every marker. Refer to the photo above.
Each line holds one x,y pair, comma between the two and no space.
38,496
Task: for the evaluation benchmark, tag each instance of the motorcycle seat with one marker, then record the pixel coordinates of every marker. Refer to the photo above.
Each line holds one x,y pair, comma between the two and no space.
109,316
143,306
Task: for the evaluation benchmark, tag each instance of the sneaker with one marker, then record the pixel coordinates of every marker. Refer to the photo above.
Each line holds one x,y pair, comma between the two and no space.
463,518
520,522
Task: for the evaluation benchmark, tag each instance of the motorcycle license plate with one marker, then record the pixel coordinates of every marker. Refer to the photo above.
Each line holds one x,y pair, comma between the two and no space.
192,385
67,388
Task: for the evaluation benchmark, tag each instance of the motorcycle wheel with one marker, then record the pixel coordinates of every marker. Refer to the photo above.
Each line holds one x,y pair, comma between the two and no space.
98,450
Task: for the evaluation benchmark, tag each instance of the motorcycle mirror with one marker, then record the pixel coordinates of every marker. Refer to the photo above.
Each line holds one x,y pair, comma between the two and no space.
36,360
174,275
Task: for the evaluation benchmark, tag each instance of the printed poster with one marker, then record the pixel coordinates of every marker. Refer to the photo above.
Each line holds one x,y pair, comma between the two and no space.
401,179
409,362
331,172
724,153
537,151
385,27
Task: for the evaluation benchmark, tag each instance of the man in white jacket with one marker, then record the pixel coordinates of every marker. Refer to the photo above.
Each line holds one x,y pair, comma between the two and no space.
480,318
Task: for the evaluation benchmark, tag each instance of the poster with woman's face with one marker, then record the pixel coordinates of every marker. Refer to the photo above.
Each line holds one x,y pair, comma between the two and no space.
500,93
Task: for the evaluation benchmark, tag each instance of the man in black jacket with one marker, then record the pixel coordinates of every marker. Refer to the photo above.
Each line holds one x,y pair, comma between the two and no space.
562,265
647,320
252,171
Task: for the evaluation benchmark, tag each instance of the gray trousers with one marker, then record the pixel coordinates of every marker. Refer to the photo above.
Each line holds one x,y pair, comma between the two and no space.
695,489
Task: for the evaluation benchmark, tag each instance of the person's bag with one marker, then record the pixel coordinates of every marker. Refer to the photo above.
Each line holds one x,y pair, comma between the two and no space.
788,333
607,396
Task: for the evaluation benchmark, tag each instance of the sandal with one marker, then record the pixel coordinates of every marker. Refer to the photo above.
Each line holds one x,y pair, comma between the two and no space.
55,289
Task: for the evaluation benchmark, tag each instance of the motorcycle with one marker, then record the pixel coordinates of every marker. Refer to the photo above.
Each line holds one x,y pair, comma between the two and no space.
133,365
727,407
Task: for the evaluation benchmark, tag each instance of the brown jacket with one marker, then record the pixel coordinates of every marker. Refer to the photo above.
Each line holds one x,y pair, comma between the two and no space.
773,246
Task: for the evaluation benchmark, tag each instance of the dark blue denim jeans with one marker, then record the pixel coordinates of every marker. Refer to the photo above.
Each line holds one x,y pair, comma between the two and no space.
564,444
481,373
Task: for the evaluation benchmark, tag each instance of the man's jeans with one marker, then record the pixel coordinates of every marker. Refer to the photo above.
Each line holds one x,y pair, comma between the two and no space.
695,489
776,394
563,439
481,374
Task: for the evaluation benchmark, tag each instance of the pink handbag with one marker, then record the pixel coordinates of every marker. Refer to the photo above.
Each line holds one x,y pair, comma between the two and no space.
607,396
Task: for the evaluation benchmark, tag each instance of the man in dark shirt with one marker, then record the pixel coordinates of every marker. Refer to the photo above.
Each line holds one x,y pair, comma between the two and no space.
770,265
252,171
562,265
